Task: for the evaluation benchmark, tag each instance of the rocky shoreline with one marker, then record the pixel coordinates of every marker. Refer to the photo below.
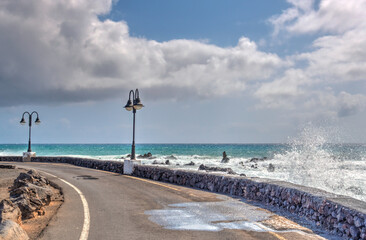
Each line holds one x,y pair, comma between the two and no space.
28,199
340,215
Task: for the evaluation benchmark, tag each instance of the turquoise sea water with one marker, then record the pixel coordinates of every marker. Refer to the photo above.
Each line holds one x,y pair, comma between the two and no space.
342,152
105,151
338,168
117,150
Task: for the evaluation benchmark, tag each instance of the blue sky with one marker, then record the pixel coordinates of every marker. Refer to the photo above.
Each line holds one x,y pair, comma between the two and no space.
208,71
220,22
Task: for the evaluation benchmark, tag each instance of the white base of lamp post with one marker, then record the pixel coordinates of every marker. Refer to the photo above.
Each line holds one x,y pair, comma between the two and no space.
28,155
128,166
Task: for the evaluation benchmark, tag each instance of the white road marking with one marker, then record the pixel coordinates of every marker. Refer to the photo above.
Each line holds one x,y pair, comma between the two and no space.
85,232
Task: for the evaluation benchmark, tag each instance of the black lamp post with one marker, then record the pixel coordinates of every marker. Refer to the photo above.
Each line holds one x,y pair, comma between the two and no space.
30,125
134,105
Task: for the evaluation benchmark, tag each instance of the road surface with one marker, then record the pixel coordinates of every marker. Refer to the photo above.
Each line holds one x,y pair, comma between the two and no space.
103,205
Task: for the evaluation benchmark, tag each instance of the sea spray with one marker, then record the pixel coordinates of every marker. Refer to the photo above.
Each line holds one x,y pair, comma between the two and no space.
316,162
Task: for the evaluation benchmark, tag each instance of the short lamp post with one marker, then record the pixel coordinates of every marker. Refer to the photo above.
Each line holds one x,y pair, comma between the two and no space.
30,126
133,105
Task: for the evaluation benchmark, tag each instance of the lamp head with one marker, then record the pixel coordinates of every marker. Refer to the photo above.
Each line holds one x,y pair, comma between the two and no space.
37,121
137,104
22,121
129,105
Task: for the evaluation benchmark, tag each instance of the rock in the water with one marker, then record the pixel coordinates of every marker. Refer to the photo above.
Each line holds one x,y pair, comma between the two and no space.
230,171
10,230
216,169
190,164
171,157
9,211
202,167
146,155
255,166
225,159
161,163
271,168
255,160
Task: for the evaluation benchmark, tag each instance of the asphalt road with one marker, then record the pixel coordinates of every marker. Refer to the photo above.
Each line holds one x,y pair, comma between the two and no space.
125,207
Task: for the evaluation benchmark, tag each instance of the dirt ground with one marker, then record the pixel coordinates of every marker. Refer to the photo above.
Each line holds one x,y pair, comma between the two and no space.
34,226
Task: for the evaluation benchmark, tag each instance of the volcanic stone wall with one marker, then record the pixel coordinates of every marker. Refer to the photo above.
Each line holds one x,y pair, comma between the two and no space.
341,215
111,166
11,158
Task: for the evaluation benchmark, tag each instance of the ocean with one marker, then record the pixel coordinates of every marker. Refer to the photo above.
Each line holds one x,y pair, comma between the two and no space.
337,168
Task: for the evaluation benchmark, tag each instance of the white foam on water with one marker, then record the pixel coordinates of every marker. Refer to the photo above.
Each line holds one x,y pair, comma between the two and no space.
11,153
309,162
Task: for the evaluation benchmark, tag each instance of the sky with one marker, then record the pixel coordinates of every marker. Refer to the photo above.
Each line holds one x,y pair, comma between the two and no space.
208,71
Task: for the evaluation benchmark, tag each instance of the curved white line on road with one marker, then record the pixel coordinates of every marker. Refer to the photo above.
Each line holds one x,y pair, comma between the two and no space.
85,232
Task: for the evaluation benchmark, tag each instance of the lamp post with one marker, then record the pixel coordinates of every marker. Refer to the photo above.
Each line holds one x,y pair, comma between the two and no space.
30,126
133,105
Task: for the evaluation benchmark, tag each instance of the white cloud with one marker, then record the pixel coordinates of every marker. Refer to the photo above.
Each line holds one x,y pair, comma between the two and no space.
331,16
330,78
340,58
350,104
283,91
59,51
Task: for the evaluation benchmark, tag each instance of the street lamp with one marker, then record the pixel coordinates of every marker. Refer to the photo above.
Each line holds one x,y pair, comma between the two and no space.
30,125
133,105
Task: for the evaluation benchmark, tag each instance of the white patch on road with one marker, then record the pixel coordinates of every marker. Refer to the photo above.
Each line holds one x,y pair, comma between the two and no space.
210,216
214,216
85,232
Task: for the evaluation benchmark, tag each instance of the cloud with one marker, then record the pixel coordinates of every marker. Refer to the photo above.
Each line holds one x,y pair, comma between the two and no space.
60,51
330,16
283,91
330,78
54,52
350,104
340,58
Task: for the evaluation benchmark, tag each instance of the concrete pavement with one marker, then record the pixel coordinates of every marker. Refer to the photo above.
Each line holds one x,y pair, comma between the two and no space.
125,207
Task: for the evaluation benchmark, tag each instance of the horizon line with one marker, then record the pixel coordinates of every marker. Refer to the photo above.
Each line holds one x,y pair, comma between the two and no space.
181,143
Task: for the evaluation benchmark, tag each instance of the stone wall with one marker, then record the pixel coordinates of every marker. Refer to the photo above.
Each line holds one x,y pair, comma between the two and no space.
111,166
11,158
340,215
